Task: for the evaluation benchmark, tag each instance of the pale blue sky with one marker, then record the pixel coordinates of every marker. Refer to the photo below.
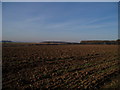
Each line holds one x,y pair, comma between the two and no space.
60,21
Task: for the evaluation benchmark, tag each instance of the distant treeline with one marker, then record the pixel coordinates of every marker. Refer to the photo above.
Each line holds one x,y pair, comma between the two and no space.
58,42
115,42
103,42
5,41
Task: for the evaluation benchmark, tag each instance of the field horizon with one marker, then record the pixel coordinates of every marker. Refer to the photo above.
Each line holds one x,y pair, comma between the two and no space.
60,45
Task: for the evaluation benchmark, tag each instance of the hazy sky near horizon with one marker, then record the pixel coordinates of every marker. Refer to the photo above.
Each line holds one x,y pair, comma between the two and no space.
65,21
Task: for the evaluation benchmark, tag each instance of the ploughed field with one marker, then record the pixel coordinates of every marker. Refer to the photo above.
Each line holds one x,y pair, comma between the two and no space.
58,66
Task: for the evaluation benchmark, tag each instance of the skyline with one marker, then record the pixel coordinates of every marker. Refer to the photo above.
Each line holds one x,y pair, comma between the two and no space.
67,21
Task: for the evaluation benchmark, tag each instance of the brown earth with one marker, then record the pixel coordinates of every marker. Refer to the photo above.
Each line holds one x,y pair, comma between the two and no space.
58,66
